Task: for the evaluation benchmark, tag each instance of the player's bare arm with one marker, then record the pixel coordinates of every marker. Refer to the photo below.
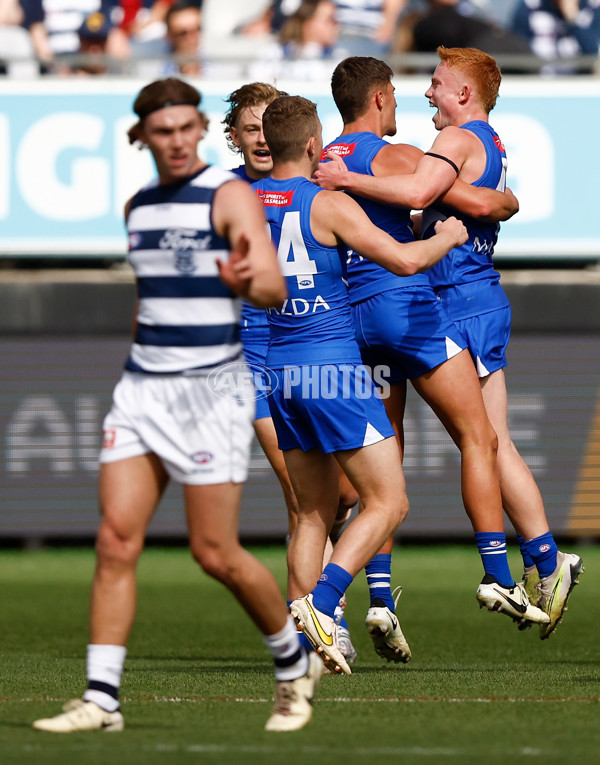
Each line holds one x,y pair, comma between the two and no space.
336,218
476,201
237,272
417,190
237,214
396,159
481,202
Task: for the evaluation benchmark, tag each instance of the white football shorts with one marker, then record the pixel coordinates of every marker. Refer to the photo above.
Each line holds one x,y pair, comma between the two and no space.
202,436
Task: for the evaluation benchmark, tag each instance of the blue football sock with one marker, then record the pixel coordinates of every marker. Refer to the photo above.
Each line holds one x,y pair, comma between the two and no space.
304,642
528,561
492,548
333,583
379,578
542,551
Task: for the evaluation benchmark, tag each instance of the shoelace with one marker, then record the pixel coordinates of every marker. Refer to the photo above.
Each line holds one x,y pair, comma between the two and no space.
284,697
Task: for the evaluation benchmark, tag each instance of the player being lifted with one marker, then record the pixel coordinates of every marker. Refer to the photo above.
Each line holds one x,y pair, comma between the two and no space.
463,90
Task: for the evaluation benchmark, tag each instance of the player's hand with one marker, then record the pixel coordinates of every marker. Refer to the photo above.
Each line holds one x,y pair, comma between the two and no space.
237,272
454,229
332,175
513,203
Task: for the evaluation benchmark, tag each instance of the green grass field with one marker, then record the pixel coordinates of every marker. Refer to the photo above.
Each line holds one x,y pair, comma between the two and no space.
198,683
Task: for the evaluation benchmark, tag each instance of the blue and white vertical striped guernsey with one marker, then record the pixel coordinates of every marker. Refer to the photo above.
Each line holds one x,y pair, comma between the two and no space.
187,318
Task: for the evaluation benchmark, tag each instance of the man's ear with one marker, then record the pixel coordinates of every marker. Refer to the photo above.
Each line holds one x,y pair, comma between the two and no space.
233,133
204,120
465,93
379,97
310,146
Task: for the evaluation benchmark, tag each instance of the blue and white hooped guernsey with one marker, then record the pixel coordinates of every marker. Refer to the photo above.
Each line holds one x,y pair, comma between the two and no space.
187,317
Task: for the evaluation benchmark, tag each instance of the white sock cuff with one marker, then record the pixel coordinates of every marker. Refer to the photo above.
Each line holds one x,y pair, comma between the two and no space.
105,663
284,642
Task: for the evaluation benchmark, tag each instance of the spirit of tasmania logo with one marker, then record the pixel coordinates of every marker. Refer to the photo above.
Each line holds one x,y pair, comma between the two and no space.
341,149
275,198
499,144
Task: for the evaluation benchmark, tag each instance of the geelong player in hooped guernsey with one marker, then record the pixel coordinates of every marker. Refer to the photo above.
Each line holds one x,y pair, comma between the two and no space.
187,317
197,240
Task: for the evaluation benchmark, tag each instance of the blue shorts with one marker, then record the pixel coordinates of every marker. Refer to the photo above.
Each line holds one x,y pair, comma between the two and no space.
406,329
330,407
256,345
487,337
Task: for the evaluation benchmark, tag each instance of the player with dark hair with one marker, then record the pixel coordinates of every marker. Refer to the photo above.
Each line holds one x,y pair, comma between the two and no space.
464,89
324,405
400,322
196,239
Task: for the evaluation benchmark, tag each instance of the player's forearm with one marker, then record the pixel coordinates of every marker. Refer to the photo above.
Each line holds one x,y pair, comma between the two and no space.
423,254
479,202
401,190
267,290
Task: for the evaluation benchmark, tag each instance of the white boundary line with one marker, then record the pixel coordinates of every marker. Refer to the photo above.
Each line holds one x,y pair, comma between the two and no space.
347,700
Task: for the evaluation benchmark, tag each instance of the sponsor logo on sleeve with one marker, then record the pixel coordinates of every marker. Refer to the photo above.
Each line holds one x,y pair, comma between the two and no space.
275,198
341,149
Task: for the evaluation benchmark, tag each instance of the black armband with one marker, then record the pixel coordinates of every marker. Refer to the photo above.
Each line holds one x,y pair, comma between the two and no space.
440,156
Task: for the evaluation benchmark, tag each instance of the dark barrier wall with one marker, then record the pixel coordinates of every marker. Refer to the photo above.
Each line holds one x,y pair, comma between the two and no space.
63,346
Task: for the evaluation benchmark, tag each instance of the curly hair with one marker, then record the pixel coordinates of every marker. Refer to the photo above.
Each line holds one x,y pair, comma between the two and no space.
254,94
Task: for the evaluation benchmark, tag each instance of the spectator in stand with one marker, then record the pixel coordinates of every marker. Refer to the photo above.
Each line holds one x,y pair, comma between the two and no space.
307,48
17,57
272,18
93,39
23,38
456,24
367,27
143,24
559,29
178,51
63,21
460,24
184,28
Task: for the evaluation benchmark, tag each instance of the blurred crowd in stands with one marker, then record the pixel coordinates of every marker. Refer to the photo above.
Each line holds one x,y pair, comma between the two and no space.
274,40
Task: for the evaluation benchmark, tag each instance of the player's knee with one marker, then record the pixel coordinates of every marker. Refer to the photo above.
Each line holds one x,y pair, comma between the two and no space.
494,442
113,546
214,561
402,512
348,498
